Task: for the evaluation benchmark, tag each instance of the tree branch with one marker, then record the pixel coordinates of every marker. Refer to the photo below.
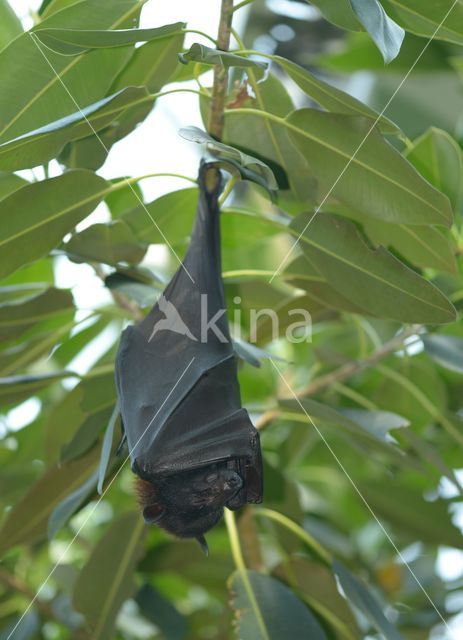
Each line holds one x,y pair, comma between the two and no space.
346,371
219,91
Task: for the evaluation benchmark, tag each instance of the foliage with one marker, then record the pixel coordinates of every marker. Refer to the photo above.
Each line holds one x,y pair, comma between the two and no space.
361,428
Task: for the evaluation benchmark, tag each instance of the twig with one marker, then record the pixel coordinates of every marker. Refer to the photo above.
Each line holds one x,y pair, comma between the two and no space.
345,371
351,368
219,92
15,584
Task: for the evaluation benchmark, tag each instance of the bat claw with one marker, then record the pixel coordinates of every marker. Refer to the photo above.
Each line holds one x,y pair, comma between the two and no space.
203,544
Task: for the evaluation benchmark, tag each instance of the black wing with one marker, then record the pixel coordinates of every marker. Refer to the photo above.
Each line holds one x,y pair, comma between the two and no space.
176,377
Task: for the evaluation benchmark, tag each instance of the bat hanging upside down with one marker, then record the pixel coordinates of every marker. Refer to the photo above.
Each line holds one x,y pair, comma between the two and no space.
191,443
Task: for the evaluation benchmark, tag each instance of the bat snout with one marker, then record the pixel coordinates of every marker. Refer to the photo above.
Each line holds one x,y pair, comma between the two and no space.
233,482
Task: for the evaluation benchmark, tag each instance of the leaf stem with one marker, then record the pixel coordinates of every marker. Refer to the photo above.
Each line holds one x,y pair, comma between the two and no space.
241,4
301,533
201,33
135,179
237,554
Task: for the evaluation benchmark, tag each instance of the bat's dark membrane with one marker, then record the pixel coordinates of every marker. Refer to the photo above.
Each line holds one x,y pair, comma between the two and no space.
191,443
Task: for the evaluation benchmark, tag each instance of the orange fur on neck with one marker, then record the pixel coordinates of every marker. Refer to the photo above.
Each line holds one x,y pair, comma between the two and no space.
146,493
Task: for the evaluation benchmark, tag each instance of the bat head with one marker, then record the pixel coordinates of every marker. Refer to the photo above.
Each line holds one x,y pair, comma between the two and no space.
188,503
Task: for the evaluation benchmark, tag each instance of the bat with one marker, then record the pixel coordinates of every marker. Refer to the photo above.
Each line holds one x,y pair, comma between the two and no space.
191,443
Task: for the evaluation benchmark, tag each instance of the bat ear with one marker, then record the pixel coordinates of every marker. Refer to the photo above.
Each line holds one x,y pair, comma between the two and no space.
203,544
153,513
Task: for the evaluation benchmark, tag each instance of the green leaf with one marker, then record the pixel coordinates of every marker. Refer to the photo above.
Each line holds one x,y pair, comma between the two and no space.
27,520
302,274
35,218
106,447
356,422
331,98
386,34
378,181
160,611
10,24
171,214
272,611
361,597
270,140
152,65
103,584
378,423
445,350
339,13
227,153
405,508
423,246
71,42
109,243
372,278
17,318
15,389
86,435
439,159
67,507
10,182
32,93
41,145
442,20
201,53
318,586
145,295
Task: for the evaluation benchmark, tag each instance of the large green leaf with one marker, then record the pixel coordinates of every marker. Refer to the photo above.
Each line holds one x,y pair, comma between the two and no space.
424,246
385,33
267,610
151,65
302,274
71,42
156,608
339,13
27,520
269,138
106,579
10,24
360,596
442,20
109,243
10,182
41,145
439,159
372,278
172,213
331,98
318,586
67,507
32,90
17,318
361,169
407,510
36,217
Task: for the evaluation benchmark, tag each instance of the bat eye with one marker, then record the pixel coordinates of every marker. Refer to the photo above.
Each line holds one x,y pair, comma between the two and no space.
211,477
235,481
